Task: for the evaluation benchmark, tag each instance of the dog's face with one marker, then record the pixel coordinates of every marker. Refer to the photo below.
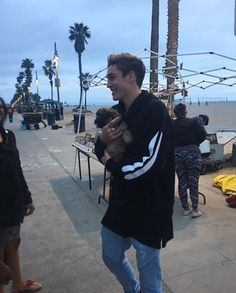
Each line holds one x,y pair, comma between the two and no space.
105,115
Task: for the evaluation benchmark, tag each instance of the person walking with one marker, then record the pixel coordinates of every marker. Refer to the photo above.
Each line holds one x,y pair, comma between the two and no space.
141,201
15,203
10,112
189,133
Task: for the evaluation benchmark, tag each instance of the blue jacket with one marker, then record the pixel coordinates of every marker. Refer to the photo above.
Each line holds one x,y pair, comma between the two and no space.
142,184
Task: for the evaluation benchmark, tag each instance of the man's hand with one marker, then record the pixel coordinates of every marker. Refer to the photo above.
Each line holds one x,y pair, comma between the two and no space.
109,132
106,156
29,209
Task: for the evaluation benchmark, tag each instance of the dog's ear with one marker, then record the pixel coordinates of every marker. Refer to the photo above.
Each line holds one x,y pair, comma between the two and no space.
105,115
100,112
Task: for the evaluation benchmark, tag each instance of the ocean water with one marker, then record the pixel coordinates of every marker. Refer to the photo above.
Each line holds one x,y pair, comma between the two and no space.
221,115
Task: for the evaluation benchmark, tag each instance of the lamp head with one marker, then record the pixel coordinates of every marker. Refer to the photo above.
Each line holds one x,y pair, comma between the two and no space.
55,58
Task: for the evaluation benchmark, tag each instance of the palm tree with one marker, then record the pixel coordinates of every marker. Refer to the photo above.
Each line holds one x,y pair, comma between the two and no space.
79,33
18,95
35,98
20,77
19,80
172,46
85,83
154,46
172,40
28,65
49,70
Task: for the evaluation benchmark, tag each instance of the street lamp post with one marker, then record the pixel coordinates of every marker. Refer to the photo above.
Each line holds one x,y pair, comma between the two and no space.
23,98
28,102
55,61
37,83
85,84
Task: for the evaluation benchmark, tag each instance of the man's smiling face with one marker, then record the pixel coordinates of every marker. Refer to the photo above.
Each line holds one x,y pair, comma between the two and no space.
117,83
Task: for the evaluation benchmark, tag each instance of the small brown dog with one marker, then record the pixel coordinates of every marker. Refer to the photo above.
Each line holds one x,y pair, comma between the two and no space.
117,147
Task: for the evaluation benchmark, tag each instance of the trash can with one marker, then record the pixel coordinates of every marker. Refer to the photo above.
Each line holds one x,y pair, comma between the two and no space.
45,115
62,112
51,118
76,122
57,115
234,153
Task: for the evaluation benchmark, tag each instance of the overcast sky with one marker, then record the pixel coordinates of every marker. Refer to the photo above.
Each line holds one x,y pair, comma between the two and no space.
28,29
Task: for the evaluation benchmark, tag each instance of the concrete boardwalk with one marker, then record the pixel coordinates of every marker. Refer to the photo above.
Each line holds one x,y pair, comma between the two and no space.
61,241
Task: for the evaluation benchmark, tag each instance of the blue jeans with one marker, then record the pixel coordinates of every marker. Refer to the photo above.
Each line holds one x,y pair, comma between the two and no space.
148,262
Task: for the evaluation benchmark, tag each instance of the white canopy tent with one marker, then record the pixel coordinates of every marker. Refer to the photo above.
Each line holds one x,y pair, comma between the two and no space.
194,70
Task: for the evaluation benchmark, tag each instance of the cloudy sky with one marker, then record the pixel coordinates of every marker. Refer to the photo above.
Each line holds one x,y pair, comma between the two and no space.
28,29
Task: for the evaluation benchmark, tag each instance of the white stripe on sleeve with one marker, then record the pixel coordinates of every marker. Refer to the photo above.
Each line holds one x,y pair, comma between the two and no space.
139,168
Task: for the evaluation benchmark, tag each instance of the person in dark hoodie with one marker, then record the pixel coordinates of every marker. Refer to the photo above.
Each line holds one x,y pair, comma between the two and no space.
189,133
141,201
15,203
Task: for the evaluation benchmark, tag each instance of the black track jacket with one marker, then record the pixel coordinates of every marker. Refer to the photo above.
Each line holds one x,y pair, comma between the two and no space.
142,184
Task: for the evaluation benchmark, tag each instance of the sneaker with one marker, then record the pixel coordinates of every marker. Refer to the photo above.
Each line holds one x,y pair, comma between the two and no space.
196,214
187,212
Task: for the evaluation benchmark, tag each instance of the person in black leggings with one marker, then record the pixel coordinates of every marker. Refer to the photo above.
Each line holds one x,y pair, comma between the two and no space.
189,133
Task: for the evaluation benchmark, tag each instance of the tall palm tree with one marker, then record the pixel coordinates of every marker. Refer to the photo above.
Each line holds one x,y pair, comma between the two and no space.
18,95
79,33
172,46
28,65
85,83
20,77
19,80
172,40
154,46
49,70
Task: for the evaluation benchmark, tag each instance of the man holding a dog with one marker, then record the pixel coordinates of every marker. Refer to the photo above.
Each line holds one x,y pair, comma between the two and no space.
141,202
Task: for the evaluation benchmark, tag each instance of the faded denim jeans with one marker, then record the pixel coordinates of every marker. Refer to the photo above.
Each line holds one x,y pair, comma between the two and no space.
148,262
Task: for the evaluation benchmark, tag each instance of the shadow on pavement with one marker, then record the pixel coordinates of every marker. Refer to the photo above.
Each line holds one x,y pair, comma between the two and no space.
83,211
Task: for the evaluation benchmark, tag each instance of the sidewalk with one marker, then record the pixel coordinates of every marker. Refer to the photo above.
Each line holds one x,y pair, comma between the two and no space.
61,241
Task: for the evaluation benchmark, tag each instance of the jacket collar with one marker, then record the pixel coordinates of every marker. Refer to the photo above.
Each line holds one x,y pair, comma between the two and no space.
139,103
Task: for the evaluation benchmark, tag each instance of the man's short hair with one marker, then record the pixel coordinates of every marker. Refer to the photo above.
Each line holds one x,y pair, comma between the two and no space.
126,62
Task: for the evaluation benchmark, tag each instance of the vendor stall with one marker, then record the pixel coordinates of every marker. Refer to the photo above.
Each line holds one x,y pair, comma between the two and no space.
32,119
217,148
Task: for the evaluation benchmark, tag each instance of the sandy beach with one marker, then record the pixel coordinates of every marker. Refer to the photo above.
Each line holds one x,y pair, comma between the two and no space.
221,115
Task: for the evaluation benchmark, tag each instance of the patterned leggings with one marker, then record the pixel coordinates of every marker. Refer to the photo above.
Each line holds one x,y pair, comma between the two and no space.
188,166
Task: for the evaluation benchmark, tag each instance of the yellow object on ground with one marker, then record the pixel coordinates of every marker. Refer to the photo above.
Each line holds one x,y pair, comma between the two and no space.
227,183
